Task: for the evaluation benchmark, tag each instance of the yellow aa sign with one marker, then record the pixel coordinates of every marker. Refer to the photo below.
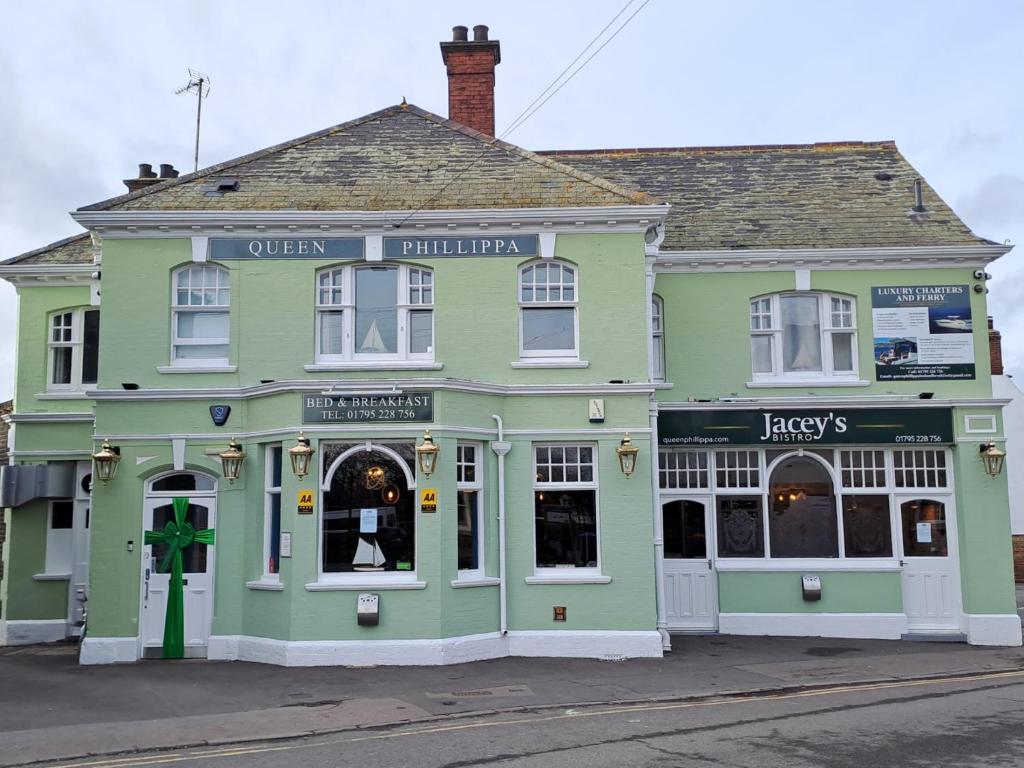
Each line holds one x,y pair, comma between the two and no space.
305,503
428,500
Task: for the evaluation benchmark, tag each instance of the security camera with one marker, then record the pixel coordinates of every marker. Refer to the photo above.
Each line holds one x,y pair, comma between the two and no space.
979,274
979,288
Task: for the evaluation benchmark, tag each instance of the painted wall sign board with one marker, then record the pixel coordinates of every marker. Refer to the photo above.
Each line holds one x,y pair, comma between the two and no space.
460,247
230,248
807,426
922,332
304,503
348,409
428,500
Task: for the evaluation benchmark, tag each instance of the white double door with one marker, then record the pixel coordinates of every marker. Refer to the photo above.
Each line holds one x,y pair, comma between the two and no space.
691,585
931,588
197,574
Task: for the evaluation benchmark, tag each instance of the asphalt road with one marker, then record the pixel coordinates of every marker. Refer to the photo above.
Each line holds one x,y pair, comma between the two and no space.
977,721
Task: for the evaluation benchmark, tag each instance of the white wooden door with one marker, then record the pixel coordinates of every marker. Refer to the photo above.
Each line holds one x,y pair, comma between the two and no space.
197,562
691,588
931,593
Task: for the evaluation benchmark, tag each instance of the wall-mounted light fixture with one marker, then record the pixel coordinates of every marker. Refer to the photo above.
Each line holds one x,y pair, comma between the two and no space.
627,455
992,458
300,455
426,454
231,460
105,462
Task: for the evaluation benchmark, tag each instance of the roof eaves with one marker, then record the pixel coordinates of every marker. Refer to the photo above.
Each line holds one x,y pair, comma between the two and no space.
14,260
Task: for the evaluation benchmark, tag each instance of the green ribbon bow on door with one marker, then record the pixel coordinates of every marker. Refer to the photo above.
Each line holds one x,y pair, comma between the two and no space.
177,535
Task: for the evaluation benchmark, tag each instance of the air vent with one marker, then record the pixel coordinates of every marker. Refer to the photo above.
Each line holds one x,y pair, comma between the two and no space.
883,176
220,187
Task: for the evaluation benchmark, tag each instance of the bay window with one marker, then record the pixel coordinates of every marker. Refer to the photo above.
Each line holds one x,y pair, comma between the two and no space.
547,311
800,336
200,305
73,342
379,312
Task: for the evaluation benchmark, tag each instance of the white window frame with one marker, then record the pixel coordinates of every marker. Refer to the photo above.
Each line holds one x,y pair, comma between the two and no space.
477,486
658,337
828,330
405,305
76,343
223,282
550,355
682,465
269,492
547,575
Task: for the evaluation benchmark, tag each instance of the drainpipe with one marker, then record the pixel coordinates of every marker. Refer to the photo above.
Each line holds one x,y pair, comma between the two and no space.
659,536
500,448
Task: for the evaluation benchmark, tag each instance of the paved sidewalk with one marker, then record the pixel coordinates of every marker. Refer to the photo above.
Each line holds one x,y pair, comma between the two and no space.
50,708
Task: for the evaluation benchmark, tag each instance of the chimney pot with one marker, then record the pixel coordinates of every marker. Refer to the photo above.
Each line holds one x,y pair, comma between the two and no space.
470,66
995,349
460,34
146,171
480,33
166,171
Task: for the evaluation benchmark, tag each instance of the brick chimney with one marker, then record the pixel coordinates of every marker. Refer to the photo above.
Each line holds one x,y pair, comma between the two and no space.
148,177
471,77
995,349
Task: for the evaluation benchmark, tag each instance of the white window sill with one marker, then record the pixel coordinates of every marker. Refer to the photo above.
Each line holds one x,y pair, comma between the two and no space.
196,368
265,585
376,365
554,362
592,579
78,394
815,383
51,577
475,582
876,565
363,585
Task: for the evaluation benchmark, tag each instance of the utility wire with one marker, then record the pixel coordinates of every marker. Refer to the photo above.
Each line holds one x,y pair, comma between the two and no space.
530,110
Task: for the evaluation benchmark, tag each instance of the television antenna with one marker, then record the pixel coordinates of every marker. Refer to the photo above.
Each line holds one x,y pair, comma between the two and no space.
199,84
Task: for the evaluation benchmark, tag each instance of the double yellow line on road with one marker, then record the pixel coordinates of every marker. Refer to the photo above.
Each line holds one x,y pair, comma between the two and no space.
590,712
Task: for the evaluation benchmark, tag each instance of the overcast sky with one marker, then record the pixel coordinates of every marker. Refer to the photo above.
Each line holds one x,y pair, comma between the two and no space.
87,92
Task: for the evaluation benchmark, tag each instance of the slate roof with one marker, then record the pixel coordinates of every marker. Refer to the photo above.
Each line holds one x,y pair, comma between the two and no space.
400,158
782,196
76,249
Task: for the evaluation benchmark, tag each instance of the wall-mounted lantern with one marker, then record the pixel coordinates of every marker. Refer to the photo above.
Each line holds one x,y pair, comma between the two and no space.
105,461
992,458
627,455
231,460
300,455
426,454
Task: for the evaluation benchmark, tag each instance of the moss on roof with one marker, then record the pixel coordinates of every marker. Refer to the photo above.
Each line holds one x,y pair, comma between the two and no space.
77,249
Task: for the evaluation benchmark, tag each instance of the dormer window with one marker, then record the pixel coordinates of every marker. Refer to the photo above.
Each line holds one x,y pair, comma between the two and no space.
803,336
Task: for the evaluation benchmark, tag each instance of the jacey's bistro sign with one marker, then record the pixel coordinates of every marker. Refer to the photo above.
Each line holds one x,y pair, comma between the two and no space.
222,248
429,247
807,426
356,409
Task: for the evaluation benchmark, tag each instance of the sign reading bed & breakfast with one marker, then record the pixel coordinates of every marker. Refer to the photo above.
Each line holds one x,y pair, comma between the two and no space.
360,409
808,426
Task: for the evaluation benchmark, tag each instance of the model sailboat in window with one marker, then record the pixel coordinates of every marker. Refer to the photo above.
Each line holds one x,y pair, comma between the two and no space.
373,342
368,557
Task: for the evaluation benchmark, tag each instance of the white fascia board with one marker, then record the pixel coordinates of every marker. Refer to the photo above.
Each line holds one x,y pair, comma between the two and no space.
55,417
123,224
731,260
47,274
817,401
374,386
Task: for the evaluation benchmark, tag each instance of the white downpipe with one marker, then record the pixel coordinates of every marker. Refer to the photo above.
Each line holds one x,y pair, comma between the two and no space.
659,537
500,448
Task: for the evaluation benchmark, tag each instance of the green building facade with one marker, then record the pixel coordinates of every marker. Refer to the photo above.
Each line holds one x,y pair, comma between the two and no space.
736,390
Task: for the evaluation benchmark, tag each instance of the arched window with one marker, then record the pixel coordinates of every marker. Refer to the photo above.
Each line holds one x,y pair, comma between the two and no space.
658,336
200,304
802,521
803,336
377,312
548,299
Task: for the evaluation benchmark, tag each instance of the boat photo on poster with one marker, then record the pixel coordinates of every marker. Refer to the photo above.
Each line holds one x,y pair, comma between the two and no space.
922,332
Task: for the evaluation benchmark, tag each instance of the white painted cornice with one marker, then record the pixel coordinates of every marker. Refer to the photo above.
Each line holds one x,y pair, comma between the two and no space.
851,401
128,223
54,417
787,259
369,386
47,274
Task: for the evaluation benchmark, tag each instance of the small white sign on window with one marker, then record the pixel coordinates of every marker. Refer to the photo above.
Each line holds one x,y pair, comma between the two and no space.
924,533
368,520
286,544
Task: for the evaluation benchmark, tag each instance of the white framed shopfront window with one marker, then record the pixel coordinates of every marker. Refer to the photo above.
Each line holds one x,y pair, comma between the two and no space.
567,540
470,512
803,337
548,318
806,508
374,313
73,337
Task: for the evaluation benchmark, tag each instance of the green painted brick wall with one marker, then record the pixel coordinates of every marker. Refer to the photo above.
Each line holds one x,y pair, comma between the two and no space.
26,555
781,592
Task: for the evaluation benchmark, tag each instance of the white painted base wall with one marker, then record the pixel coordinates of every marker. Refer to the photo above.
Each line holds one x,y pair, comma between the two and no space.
108,650
31,632
869,626
993,629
